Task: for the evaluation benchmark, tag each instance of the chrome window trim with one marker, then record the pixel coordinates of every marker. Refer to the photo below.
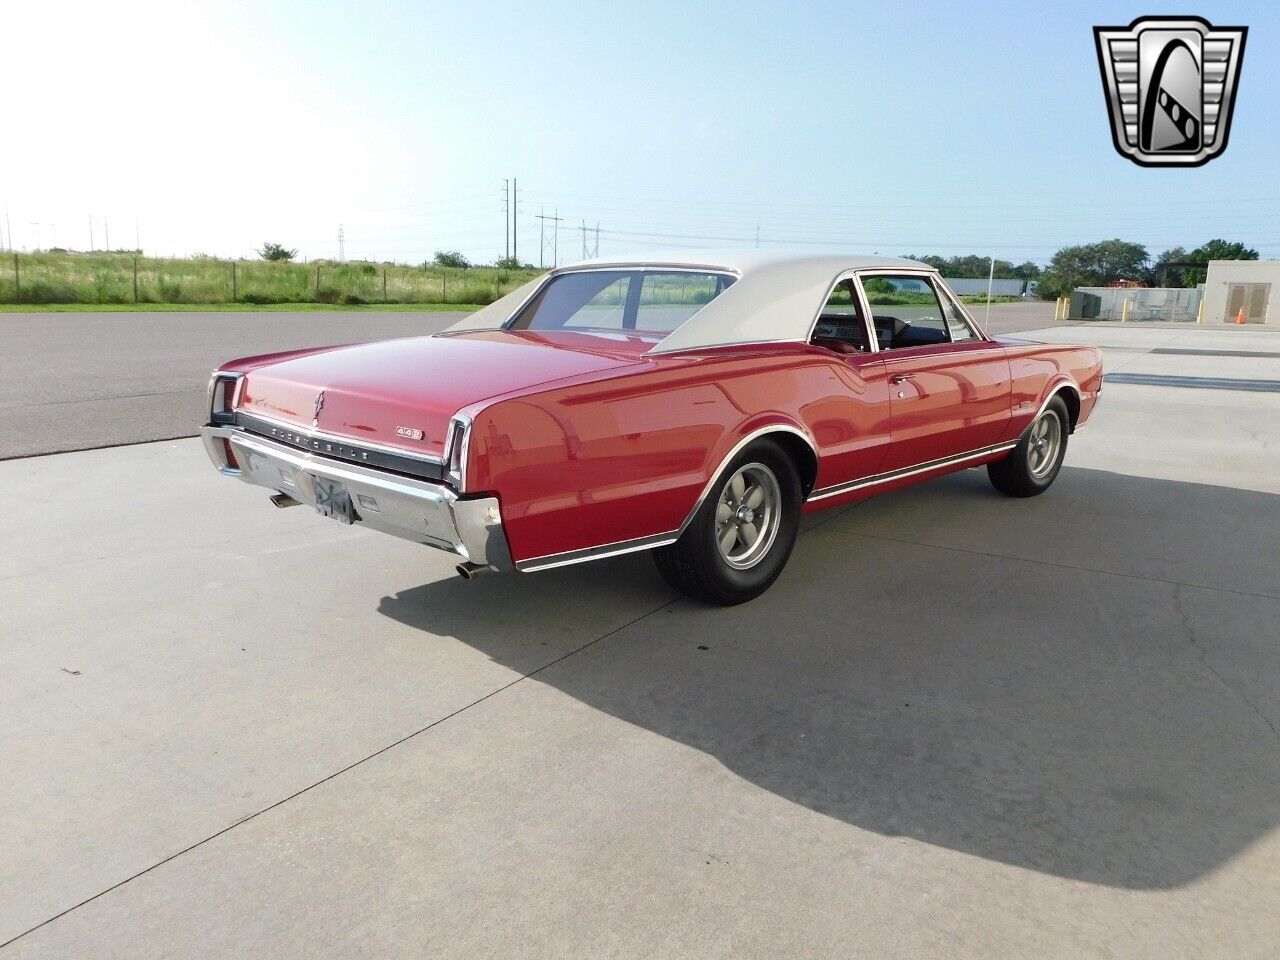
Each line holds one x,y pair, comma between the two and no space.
941,286
546,278
868,327
314,434
940,289
986,345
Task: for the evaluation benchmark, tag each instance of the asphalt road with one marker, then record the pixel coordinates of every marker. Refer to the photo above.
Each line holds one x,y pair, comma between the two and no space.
73,381
958,726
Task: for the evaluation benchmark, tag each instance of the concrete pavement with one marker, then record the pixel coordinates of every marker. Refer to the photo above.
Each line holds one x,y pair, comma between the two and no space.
959,725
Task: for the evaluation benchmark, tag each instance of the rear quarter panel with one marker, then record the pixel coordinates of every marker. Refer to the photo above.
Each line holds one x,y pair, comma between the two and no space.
616,459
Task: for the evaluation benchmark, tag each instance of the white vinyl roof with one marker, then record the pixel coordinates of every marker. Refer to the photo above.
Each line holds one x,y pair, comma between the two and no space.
776,297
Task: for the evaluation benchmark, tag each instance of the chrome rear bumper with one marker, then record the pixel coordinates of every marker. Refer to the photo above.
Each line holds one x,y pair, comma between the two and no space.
416,510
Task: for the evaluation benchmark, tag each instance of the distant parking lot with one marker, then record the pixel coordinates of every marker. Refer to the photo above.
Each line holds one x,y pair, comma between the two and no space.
958,726
73,381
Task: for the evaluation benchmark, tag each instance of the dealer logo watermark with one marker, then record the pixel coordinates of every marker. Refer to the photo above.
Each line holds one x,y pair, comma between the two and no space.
1170,84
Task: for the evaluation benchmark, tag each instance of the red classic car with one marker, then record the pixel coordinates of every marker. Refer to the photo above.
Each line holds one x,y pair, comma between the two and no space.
693,405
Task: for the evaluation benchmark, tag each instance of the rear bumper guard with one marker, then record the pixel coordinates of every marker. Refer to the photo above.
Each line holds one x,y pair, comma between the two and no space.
417,510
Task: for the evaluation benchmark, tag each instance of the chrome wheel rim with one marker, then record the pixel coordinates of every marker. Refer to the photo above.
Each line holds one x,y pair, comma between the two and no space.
748,515
1043,444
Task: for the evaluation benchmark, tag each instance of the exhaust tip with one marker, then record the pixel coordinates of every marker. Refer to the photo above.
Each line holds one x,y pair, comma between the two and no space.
283,500
469,571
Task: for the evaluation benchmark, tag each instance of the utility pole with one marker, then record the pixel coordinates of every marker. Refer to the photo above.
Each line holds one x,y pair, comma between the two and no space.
991,279
342,245
506,219
595,251
515,219
106,230
555,244
757,233
584,239
91,233
542,235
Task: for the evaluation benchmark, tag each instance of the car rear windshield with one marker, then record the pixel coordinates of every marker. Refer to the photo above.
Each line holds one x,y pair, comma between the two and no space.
640,301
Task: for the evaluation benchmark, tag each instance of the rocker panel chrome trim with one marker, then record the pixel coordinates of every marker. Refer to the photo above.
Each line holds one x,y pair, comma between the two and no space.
892,475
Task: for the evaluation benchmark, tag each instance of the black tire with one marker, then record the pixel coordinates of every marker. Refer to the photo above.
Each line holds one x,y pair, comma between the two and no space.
1023,473
696,565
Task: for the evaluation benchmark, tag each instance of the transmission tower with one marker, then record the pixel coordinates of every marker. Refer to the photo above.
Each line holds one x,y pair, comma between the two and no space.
554,240
506,219
590,251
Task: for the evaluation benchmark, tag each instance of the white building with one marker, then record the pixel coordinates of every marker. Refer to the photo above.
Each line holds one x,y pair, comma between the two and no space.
1251,285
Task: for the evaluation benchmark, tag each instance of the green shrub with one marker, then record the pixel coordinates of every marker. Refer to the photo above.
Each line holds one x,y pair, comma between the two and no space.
41,292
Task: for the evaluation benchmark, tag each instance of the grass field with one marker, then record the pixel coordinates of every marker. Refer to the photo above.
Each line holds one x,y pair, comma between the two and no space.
237,307
121,279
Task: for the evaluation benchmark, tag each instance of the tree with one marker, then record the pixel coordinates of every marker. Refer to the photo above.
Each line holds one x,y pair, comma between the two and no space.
974,266
1027,270
1093,265
451,258
1213,250
276,251
511,263
1167,269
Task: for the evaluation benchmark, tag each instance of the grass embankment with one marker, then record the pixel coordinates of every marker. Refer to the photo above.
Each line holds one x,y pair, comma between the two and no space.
106,280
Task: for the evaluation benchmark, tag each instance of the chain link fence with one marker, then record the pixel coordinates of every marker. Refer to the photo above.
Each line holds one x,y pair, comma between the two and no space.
117,278
1173,304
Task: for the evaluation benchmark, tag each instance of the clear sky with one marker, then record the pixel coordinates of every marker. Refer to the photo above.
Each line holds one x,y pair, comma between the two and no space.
891,127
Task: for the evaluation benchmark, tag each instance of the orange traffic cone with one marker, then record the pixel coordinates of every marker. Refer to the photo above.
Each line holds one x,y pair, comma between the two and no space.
1240,316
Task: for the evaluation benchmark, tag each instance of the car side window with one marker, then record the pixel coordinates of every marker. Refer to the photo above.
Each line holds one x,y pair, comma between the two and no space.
905,311
841,326
957,324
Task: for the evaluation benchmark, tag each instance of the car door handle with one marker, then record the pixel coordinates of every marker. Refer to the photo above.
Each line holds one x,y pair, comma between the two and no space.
900,378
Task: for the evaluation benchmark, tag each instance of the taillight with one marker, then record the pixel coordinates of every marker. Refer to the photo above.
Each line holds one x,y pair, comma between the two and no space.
230,455
223,390
455,470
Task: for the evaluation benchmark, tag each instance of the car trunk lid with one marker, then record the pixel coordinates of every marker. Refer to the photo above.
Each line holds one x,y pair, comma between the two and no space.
402,393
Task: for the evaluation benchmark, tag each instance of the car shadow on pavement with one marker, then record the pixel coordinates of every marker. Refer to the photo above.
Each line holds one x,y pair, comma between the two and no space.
1084,683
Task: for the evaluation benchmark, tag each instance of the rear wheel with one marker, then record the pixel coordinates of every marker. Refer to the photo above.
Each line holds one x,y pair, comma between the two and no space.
1033,464
740,538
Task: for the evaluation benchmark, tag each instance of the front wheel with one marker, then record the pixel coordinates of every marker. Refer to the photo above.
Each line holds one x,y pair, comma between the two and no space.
740,538
1033,464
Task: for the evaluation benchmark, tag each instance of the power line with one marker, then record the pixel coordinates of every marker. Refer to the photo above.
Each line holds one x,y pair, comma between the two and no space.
1159,202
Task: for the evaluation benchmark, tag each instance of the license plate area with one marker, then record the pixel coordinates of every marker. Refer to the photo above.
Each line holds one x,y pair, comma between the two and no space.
333,500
